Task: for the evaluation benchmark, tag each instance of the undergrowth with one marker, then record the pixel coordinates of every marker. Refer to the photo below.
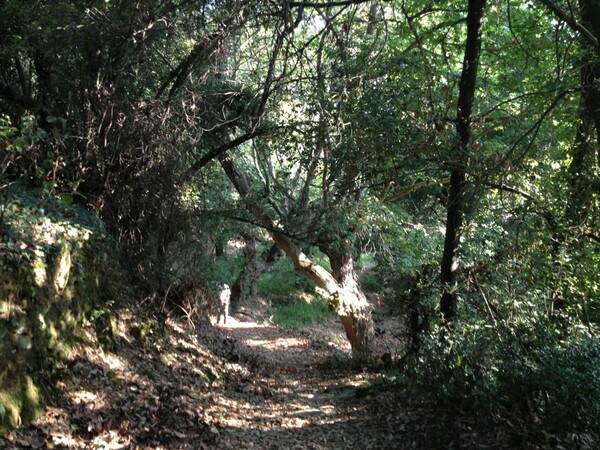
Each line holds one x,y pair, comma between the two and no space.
299,312
283,280
290,294
552,381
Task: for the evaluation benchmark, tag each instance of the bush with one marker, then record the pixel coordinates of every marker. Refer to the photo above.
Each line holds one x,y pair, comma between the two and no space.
529,367
283,280
562,384
298,313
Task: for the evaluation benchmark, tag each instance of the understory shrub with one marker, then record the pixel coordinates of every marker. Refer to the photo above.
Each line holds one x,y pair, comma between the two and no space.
299,312
283,280
532,367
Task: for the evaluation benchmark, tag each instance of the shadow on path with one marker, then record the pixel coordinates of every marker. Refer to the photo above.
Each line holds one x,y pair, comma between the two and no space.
240,386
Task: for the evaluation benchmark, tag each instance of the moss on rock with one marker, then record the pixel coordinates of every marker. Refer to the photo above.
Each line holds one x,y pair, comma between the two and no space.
53,264
20,402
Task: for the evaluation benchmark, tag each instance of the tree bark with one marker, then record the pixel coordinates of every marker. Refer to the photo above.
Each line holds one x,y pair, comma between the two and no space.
586,150
589,30
585,153
244,288
590,72
350,302
567,17
458,170
342,286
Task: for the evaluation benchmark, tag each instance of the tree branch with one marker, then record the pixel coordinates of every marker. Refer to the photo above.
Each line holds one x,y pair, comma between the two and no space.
301,261
570,20
216,152
202,51
512,190
317,5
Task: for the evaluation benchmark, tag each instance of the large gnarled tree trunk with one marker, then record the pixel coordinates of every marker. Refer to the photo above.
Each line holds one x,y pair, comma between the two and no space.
341,285
351,304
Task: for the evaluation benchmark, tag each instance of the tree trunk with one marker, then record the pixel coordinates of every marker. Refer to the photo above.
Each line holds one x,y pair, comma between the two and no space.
244,288
585,154
590,72
351,303
579,173
418,321
458,171
346,297
586,151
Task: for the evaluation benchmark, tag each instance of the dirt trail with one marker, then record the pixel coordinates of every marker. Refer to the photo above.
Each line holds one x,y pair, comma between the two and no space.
294,396
302,391
240,386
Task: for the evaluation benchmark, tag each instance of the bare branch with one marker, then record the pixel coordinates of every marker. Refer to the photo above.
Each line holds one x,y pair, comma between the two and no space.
318,5
574,24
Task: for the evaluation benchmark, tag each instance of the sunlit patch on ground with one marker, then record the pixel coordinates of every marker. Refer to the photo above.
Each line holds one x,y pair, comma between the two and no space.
90,400
276,343
110,361
234,323
238,386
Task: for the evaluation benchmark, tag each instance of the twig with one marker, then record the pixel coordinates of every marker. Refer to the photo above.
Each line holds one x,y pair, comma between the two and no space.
570,20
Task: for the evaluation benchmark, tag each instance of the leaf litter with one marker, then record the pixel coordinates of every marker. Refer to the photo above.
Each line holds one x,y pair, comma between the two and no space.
248,385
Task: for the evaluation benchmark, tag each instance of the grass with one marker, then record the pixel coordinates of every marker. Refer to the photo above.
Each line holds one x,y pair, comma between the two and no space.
293,304
299,312
283,280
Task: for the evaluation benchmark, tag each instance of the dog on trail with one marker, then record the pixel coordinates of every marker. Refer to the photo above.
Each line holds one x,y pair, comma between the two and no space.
223,297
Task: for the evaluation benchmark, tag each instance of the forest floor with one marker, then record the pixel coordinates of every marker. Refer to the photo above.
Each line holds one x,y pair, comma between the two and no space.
245,385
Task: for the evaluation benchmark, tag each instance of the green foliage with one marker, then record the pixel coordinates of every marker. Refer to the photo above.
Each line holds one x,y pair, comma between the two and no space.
282,280
371,283
224,270
564,384
555,382
20,401
298,312
111,103
6,130
53,269
292,305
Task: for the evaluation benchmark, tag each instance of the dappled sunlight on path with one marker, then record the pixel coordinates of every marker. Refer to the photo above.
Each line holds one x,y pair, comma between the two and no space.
279,343
301,390
284,401
237,386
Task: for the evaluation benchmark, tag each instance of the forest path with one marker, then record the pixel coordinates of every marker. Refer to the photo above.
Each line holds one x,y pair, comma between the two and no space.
296,394
240,386
300,390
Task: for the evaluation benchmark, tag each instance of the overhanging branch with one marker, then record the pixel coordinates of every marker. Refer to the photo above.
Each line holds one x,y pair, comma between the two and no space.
318,5
216,152
574,24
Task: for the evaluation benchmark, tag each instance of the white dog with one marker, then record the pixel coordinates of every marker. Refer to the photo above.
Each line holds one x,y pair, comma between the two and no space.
223,302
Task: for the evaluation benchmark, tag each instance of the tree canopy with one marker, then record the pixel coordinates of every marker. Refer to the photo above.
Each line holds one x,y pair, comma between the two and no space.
458,143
